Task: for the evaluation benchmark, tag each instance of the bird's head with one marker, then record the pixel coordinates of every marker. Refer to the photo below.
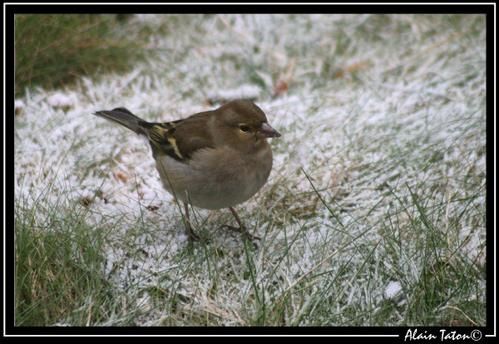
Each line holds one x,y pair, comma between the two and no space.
244,125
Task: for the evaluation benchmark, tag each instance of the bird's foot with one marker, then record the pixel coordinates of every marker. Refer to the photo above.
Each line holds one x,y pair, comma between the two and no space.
244,232
191,235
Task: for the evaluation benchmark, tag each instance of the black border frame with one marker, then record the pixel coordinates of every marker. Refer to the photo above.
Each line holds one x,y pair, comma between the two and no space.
9,10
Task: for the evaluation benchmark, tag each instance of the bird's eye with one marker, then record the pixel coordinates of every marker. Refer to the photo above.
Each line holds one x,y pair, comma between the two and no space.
244,128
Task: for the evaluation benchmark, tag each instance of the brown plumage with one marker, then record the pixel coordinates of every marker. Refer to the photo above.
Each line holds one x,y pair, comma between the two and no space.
214,159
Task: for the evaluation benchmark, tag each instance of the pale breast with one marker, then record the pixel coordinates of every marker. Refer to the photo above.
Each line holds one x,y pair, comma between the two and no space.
215,179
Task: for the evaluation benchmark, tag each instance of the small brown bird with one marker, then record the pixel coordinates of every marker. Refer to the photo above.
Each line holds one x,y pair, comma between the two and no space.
214,159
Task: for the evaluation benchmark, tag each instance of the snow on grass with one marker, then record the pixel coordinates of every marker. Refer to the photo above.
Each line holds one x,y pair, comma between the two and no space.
379,174
392,289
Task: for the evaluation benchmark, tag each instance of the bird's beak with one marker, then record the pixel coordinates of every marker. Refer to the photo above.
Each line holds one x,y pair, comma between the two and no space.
267,131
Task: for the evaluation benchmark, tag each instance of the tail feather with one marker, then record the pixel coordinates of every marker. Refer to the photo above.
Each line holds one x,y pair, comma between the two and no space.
126,118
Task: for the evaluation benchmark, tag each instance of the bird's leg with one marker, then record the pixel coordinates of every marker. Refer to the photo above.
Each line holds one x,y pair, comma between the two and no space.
188,228
241,229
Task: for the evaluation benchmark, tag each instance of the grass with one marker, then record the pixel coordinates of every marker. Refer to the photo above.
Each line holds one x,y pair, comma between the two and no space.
58,266
54,50
379,177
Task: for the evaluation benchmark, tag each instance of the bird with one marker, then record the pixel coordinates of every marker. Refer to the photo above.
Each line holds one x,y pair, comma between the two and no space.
212,160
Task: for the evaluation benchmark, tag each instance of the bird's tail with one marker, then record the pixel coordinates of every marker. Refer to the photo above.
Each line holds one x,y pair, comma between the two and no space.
125,118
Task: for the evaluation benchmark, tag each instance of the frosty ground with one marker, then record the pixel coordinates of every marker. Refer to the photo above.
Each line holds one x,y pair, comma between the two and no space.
374,213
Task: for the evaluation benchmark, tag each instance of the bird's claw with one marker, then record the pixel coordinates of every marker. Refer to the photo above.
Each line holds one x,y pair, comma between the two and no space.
192,235
244,232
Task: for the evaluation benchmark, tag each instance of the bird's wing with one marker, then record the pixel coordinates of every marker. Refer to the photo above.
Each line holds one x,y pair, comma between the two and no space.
180,139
